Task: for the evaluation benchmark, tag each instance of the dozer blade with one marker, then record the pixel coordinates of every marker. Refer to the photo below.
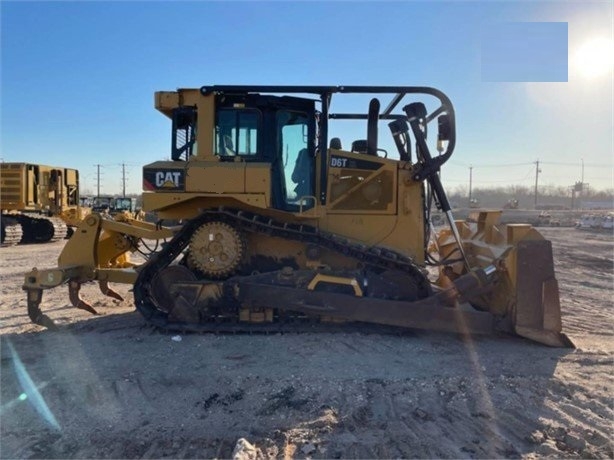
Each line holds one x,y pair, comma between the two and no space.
525,297
538,309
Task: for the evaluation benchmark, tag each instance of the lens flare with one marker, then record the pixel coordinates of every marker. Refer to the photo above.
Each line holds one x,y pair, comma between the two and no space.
595,57
30,390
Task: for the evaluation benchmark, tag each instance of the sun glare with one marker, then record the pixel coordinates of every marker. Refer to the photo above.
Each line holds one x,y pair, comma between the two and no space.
595,58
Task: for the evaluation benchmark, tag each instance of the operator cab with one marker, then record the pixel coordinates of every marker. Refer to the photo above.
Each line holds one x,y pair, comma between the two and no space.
279,131
124,204
253,128
101,203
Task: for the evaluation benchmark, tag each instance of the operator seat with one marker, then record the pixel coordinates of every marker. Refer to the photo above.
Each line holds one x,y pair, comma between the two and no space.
228,146
301,175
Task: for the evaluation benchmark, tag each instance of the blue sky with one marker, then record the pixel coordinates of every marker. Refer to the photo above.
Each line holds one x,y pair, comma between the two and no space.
77,78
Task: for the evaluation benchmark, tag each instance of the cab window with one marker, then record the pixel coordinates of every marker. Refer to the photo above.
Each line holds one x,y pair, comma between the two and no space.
298,165
236,132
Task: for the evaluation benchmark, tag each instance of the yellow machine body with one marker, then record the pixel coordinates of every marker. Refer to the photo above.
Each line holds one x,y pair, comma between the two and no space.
30,187
38,202
273,218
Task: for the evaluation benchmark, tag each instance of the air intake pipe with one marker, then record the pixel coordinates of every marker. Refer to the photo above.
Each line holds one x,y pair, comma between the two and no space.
372,126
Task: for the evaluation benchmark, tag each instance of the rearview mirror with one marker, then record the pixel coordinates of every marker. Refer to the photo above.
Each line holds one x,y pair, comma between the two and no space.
443,127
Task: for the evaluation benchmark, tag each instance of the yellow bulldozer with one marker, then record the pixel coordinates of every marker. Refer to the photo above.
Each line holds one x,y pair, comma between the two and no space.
281,227
39,203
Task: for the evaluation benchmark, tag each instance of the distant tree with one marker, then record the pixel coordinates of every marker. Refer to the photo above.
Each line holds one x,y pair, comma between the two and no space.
548,195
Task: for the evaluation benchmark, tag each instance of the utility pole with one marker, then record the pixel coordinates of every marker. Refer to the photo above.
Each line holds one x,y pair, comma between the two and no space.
123,180
537,171
470,183
97,180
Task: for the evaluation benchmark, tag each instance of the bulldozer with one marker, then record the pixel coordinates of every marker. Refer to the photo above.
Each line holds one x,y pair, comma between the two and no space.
39,203
280,227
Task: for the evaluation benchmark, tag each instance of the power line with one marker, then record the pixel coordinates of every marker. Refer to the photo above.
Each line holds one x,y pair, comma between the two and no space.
502,181
590,165
500,165
509,165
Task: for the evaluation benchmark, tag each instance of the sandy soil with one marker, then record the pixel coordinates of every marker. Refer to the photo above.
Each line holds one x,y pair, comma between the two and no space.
110,386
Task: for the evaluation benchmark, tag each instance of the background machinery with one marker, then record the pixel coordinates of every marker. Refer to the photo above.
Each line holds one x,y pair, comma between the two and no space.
125,204
124,207
38,202
101,203
511,204
281,225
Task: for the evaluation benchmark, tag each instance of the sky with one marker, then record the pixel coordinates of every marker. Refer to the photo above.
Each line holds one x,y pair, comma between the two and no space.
77,78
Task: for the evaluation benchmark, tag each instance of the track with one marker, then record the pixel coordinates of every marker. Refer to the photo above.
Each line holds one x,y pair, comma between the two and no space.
11,232
28,229
369,257
42,229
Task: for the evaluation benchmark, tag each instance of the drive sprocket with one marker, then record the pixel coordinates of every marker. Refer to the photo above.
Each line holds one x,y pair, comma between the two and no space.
216,250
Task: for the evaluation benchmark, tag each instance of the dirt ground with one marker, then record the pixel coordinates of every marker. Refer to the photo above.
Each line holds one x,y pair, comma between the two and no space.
110,386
